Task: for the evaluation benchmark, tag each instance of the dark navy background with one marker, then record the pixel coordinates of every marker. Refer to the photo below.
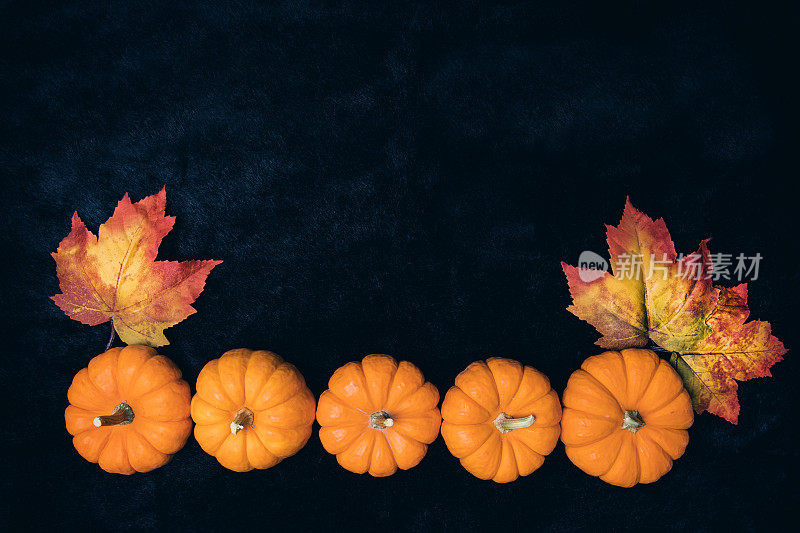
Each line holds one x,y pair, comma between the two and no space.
397,178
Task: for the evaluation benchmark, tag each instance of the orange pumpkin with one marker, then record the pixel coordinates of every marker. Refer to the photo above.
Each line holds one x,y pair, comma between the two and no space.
252,409
625,417
378,415
129,410
501,419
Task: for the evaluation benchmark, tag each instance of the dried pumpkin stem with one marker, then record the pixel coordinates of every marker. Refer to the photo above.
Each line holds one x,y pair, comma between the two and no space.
504,423
122,414
633,421
380,420
244,419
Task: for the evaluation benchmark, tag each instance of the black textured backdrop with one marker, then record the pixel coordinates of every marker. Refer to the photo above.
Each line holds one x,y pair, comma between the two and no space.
397,178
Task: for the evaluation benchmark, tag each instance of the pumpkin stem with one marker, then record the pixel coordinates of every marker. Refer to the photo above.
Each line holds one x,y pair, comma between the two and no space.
380,420
633,421
504,423
244,418
122,414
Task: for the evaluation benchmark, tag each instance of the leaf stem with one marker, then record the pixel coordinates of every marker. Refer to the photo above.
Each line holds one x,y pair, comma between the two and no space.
656,348
111,337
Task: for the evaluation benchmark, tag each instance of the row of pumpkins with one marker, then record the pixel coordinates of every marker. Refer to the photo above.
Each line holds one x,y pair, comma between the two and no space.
625,415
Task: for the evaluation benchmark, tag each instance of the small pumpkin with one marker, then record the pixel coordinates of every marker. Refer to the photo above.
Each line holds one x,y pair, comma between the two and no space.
378,415
501,419
625,417
129,410
252,409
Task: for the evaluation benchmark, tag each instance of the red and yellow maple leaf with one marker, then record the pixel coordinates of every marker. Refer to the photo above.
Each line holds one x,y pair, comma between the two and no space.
651,295
114,275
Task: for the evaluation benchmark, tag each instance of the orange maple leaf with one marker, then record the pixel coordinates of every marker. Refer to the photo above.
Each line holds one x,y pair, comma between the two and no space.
652,296
115,276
